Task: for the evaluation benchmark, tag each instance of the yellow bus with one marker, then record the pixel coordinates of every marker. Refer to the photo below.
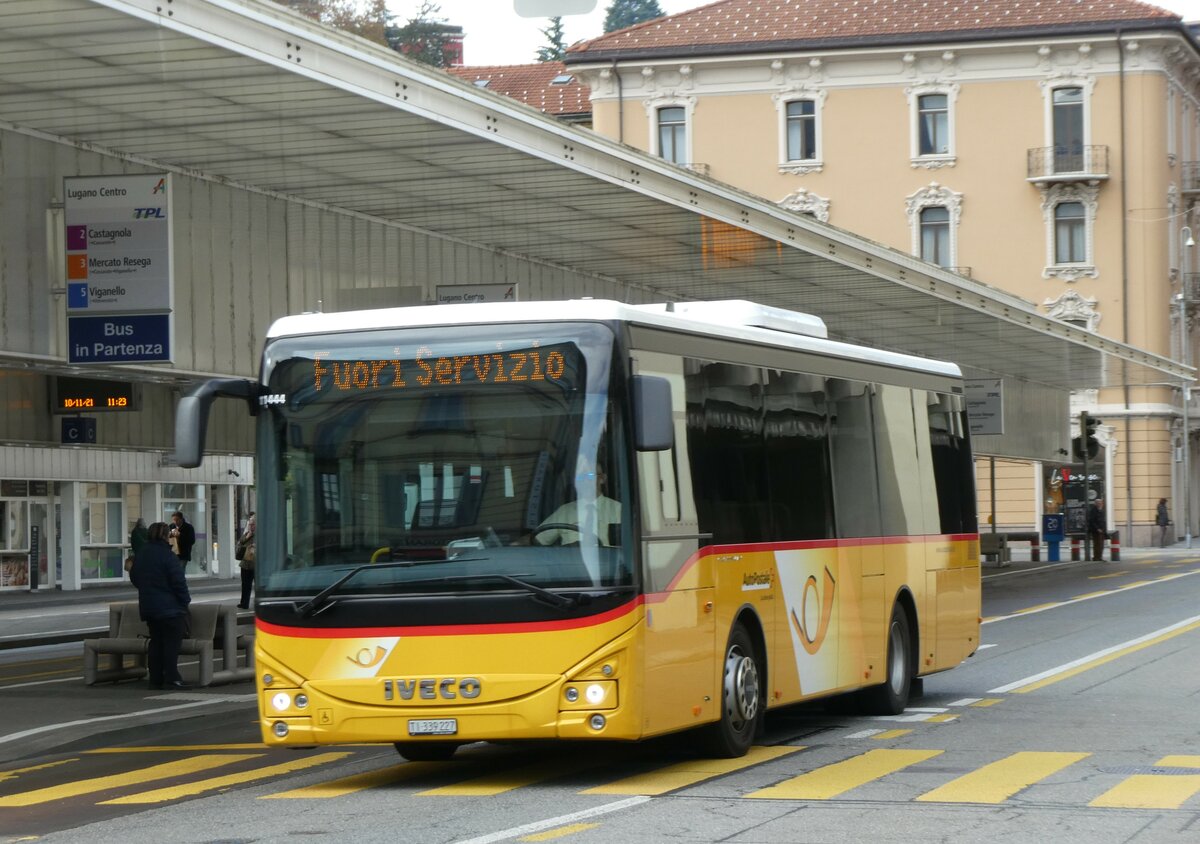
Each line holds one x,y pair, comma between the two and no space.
594,520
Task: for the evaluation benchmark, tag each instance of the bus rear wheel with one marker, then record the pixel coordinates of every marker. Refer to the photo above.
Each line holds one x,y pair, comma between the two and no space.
426,751
892,696
741,699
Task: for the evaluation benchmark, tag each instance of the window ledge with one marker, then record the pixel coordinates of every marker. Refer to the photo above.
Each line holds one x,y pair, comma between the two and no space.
800,168
1070,272
933,162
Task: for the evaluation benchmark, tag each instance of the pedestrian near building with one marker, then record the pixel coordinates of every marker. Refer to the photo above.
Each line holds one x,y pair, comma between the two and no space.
1162,519
138,537
246,554
163,604
1097,528
185,537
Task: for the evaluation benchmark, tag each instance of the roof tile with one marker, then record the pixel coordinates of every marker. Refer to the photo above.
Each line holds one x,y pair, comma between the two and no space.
532,85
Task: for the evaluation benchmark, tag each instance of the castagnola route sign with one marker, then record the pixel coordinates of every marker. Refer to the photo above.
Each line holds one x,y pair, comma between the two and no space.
119,279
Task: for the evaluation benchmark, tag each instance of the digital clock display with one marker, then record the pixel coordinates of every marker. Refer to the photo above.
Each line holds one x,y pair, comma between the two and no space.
88,395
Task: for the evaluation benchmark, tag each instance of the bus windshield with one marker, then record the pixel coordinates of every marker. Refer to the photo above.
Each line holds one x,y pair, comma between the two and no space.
480,459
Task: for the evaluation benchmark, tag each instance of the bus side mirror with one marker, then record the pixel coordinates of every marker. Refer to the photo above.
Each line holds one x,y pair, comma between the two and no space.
653,424
191,416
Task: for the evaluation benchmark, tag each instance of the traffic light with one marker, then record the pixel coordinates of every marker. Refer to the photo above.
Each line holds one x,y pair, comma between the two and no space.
1086,442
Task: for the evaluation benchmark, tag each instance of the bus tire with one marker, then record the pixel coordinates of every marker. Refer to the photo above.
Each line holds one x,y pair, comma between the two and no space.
891,697
741,699
426,751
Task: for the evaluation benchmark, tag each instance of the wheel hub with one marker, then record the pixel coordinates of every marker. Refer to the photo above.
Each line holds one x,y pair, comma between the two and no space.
741,686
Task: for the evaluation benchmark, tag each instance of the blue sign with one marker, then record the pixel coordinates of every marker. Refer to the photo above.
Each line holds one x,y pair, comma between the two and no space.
142,338
78,430
77,295
1053,527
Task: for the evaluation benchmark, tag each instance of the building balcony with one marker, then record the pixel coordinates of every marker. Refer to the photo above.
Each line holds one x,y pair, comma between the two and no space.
1047,165
1190,178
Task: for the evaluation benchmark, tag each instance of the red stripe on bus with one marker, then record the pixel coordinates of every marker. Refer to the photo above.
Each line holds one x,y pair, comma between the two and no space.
447,629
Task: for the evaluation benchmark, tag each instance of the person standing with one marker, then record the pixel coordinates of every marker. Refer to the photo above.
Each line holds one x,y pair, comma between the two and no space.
246,553
163,600
1097,528
185,537
1162,518
138,537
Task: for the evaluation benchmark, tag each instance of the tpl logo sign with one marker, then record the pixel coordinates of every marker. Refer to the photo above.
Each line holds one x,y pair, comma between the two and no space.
149,214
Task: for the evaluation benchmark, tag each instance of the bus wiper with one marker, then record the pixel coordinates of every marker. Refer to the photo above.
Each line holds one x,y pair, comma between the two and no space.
552,598
314,604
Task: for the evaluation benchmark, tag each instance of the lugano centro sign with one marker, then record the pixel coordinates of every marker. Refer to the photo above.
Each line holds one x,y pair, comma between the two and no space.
119,269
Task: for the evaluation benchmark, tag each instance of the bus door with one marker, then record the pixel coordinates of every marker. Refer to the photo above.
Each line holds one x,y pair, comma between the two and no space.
680,636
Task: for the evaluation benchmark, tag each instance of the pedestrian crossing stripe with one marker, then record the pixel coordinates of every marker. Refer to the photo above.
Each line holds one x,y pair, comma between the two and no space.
1000,780
162,795
1168,785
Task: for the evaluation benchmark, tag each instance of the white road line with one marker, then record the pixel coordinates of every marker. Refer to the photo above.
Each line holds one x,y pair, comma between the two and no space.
1082,598
43,682
966,701
1016,684
561,820
864,734
50,633
123,716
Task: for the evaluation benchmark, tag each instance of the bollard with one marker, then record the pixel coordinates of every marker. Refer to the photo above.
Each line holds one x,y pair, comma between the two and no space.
1052,551
1074,549
1035,550
1114,546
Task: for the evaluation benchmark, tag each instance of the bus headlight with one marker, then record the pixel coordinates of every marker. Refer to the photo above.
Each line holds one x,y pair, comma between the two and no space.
282,701
301,701
596,694
280,729
596,722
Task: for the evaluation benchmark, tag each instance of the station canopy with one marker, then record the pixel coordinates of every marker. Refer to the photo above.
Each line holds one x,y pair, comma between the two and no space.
252,94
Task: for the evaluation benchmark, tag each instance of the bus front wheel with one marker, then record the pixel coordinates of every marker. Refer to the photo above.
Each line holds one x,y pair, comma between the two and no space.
426,751
892,696
741,699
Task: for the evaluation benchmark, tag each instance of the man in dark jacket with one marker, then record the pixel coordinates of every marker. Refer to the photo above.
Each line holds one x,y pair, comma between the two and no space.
1097,528
185,538
163,603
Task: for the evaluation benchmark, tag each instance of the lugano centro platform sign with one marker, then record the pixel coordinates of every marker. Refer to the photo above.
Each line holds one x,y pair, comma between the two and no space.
119,279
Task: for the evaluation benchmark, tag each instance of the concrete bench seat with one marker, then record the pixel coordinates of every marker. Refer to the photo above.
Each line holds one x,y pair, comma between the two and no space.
209,624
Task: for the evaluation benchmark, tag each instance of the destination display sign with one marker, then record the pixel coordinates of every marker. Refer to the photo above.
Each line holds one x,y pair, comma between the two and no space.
429,369
79,395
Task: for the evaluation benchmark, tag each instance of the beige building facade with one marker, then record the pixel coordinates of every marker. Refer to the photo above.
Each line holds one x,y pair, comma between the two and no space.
1053,156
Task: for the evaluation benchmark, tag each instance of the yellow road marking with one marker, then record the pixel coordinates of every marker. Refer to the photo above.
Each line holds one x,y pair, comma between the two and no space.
1101,593
1135,584
688,773
1087,666
988,701
503,781
1154,791
551,834
1036,608
157,772
940,719
1000,780
162,795
1103,576
891,734
8,678
179,747
359,782
12,774
832,780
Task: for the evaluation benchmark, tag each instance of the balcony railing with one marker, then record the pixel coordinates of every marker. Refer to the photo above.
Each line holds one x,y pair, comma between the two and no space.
1191,288
1074,163
1191,177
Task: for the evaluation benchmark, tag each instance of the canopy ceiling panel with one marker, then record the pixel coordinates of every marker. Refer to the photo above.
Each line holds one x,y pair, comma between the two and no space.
247,92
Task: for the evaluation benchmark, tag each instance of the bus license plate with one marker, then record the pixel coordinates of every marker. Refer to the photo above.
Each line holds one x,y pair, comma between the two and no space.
433,726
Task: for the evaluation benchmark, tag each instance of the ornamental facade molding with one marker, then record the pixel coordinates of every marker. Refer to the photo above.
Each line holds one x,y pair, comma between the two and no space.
806,202
1072,306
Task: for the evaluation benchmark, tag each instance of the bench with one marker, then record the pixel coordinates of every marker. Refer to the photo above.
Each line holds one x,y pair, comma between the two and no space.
129,636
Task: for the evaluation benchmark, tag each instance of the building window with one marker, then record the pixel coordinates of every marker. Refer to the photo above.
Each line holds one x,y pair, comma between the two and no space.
1070,214
801,130
933,213
933,125
935,235
672,134
1067,125
1070,233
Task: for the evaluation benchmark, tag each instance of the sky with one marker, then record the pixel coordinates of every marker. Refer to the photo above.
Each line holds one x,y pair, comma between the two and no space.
495,34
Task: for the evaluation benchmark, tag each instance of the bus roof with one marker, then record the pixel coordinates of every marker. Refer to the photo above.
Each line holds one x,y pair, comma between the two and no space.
729,319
